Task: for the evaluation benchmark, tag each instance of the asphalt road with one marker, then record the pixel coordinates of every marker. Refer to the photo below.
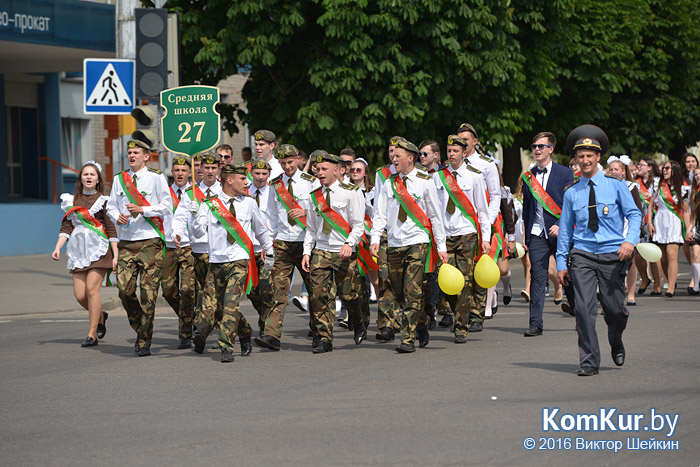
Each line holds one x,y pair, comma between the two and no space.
447,404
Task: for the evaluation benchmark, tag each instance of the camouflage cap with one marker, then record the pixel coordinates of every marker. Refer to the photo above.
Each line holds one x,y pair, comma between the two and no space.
234,169
407,145
323,156
287,150
265,135
394,140
138,143
259,164
182,160
209,158
467,127
454,140
314,155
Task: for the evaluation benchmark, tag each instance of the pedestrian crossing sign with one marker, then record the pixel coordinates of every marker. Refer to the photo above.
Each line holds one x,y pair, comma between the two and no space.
108,86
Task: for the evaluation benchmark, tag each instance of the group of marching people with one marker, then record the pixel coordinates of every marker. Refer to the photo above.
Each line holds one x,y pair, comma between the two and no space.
243,229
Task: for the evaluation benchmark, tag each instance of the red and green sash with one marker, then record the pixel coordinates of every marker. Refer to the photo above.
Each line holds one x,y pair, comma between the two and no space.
643,189
540,194
419,217
248,173
461,201
173,196
288,201
87,220
133,194
384,173
667,198
341,226
234,227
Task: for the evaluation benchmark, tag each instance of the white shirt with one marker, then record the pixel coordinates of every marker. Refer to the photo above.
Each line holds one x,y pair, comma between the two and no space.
168,220
493,182
154,187
275,168
262,198
379,184
369,200
386,213
474,186
538,222
183,219
251,220
280,228
347,202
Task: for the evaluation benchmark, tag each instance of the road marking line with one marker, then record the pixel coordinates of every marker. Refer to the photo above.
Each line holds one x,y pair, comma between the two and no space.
167,317
64,320
5,321
511,313
680,311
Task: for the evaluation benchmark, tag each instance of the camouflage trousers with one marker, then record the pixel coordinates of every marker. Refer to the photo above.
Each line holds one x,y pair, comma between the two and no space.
387,309
225,286
288,255
201,266
177,282
407,274
461,250
332,275
364,299
142,258
261,296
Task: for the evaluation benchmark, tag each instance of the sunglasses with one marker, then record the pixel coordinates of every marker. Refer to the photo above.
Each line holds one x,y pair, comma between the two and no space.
424,154
356,169
224,156
665,168
539,146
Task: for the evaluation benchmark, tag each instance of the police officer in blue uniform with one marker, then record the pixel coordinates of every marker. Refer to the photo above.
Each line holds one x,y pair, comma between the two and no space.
590,238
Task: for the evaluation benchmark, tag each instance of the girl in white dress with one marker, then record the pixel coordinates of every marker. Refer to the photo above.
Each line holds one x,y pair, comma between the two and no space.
92,245
667,230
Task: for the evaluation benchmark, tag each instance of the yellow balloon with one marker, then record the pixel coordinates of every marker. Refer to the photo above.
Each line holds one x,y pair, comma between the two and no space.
519,250
649,252
486,272
450,279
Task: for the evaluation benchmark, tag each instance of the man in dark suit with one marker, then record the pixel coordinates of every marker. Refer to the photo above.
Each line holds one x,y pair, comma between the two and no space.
543,193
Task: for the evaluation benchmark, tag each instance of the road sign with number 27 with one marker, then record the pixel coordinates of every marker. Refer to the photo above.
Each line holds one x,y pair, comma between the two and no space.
191,123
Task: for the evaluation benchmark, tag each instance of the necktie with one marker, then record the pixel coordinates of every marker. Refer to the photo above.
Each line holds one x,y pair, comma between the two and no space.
291,192
451,204
134,214
232,210
403,215
208,193
326,225
257,197
592,212
179,194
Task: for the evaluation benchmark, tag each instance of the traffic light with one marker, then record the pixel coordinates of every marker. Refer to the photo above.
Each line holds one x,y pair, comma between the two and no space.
151,52
146,117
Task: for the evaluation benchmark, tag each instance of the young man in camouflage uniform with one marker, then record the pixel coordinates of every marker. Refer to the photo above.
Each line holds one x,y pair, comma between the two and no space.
409,209
462,193
287,213
138,202
229,220
178,268
334,226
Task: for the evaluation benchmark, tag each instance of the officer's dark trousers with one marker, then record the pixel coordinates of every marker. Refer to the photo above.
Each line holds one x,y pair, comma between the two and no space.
540,249
608,273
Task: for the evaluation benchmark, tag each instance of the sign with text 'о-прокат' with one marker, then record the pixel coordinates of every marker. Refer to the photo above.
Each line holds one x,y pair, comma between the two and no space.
190,124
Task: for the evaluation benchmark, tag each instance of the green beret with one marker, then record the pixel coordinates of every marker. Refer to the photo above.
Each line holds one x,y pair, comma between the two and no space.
259,164
454,140
137,142
287,150
407,145
234,169
181,160
467,127
265,135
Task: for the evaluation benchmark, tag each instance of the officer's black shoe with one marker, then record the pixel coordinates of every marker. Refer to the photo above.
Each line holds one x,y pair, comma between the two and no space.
268,342
199,342
360,334
89,342
460,339
323,347
185,344
423,337
144,352
533,331
476,326
406,348
566,308
433,322
137,346
102,327
618,350
589,371
246,346
446,321
385,334
226,356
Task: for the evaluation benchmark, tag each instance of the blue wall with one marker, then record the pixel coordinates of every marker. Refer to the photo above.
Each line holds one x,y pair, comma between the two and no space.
35,234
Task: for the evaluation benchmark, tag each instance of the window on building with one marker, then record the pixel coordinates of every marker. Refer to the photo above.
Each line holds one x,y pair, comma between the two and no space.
22,146
75,142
